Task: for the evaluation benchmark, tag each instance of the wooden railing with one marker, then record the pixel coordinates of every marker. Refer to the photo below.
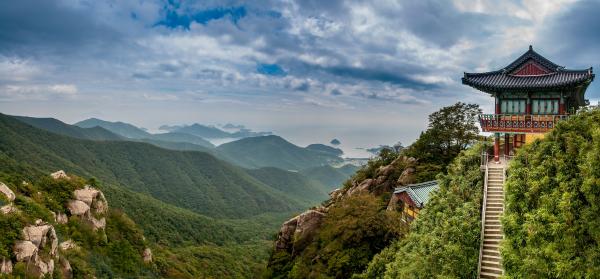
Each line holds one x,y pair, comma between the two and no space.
519,123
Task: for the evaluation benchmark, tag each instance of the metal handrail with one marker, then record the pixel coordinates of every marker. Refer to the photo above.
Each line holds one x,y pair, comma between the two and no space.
485,185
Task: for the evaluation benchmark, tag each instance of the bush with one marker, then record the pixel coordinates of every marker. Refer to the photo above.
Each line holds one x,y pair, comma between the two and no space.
551,223
444,239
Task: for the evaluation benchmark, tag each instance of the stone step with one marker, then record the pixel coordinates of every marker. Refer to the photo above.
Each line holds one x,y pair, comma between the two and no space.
492,264
492,236
492,270
486,275
490,258
492,222
493,231
491,252
491,243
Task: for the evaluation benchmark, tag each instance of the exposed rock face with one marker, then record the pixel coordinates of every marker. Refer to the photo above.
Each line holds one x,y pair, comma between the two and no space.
147,255
78,208
407,176
306,228
35,239
61,174
6,266
10,195
93,198
286,233
65,268
9,208
62,218
40,234
25,250
68,245
89,201
297,232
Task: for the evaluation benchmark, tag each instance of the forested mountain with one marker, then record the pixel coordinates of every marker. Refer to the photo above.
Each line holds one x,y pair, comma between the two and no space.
293,183
192,180
325,149
329,176
273,151
551,222
182,137
203,131
59,127
171,140
120,128
359,233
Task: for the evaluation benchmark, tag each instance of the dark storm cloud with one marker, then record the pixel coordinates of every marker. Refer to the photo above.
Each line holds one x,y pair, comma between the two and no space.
29,27
572,39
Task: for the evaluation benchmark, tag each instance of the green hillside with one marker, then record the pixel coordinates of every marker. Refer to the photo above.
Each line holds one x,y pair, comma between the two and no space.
202,131
292,183
325,149
273,151
58,127
119,128
182,137
551,220
329,176
192,180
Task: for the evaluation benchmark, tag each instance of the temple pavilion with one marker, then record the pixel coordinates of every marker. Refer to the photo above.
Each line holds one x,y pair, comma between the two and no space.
531,94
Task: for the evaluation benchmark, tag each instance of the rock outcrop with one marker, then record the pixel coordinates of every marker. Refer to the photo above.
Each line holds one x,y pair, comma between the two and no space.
37,238
40,235
6,266
89,202
68,245
25,250
296,233
10,195
61,174
147,255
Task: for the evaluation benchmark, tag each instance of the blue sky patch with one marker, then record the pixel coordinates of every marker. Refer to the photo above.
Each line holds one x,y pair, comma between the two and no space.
270,70
173,19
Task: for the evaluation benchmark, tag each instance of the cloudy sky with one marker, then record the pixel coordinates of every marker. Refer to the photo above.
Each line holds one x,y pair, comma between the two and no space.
366,72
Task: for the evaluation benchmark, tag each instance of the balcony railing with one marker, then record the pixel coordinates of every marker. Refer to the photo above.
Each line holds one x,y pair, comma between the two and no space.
519,123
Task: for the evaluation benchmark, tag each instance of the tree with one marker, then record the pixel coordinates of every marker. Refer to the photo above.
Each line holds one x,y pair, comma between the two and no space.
450,130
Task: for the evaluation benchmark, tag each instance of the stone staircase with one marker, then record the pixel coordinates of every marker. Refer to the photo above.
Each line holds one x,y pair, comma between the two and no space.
490,263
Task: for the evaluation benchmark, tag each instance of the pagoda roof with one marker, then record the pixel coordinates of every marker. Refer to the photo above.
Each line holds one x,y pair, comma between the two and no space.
530,71
419,192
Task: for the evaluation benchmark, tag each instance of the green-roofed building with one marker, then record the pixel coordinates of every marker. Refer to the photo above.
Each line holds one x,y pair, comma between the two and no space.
410,199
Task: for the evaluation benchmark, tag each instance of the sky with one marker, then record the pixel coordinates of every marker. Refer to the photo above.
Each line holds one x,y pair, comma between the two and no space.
365,72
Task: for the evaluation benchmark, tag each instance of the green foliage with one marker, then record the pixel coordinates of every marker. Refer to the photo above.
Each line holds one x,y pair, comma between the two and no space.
451,130
10,231
193,180
296,184
351,233
273,151
386,156
444,240
329,176
551,223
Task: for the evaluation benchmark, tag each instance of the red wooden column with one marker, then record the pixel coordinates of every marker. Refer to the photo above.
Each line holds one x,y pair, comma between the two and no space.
516,142
497,147
506,144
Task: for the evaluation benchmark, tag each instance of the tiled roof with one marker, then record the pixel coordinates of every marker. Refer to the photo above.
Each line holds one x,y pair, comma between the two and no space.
419,192
504,80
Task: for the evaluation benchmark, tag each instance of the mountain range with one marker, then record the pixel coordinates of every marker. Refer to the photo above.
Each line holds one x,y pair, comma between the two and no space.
183,199
253,150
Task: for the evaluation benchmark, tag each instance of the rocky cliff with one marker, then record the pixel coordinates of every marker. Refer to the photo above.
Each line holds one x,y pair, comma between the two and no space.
377,180
35,247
